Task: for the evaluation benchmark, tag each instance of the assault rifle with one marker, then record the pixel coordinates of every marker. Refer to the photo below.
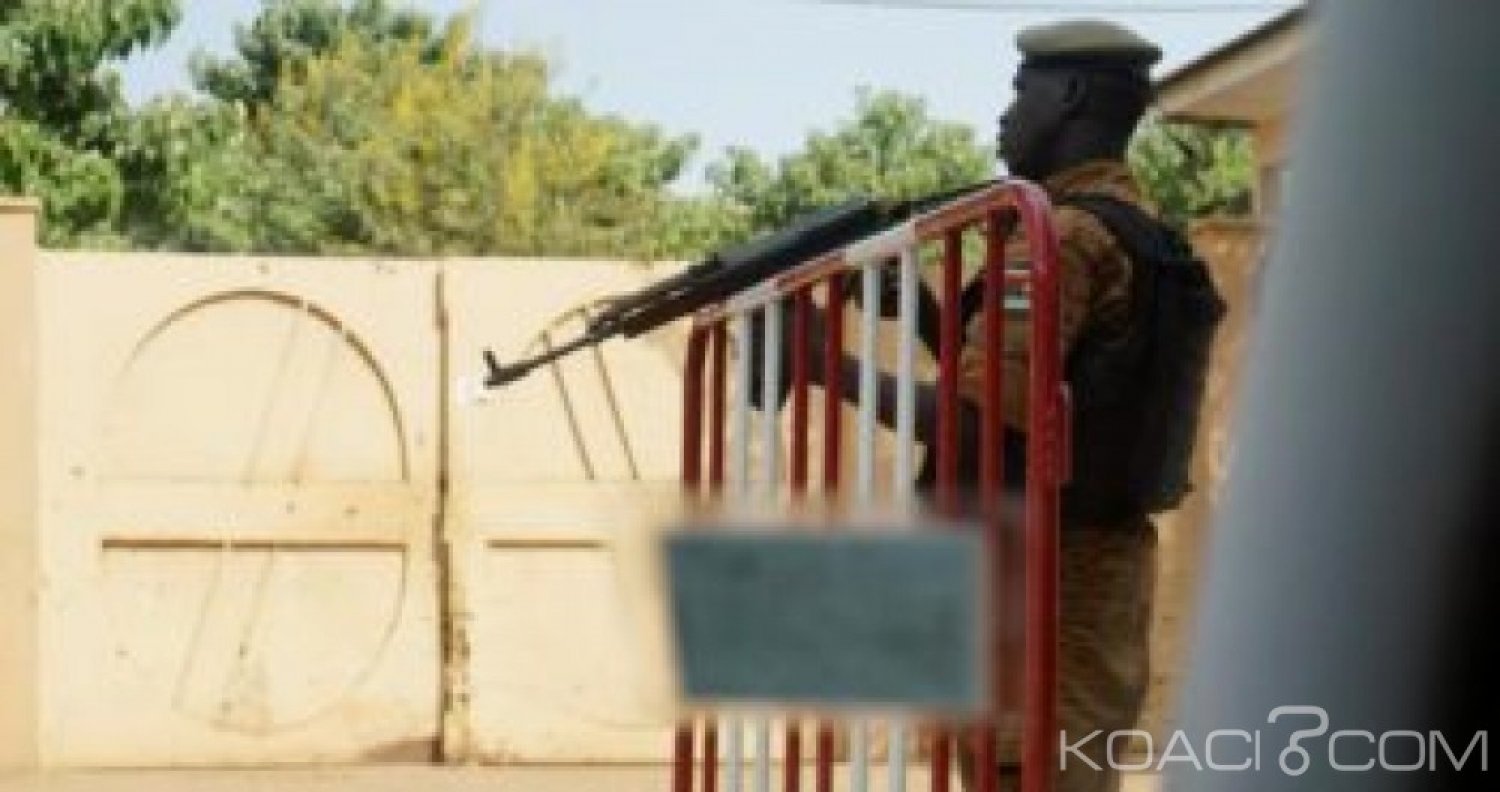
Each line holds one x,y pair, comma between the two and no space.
726,273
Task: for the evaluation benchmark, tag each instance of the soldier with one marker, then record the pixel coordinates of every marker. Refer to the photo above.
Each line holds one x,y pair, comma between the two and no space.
1081,90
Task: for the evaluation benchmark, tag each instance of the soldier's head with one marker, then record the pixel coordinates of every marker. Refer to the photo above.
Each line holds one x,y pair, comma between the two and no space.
1080,91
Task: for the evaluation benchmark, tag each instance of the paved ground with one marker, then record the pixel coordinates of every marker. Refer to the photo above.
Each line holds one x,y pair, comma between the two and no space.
396,778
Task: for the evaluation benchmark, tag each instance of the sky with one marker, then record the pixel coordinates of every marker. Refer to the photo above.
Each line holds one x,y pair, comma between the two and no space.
758,73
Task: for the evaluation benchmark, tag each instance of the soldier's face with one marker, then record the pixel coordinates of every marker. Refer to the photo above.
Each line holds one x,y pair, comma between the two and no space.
1029,127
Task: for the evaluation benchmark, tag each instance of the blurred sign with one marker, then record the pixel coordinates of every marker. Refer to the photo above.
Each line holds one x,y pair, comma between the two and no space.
844,619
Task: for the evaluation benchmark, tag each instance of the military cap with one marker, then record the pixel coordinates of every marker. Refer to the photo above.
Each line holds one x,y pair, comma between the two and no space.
1087,44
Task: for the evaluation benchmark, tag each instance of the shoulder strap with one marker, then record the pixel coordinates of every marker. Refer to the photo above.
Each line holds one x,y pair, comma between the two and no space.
1141,235
1144,238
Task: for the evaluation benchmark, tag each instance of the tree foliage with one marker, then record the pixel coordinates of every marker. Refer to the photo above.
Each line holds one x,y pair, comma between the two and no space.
82,188
361,126
63,118
332,127
195,178
1192,171
289,34
53,55
432,145
890,148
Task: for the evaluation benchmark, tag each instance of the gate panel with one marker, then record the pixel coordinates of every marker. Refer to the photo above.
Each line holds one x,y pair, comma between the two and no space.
240,489
548,478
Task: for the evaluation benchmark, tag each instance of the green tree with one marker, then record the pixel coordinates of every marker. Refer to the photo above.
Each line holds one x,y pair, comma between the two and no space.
414,140
63,118
288,34
82,189
890,148
381,151
1193,171
194,177
344,127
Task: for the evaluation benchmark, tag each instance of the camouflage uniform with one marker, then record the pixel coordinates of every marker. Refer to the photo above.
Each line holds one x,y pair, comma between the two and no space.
1107,571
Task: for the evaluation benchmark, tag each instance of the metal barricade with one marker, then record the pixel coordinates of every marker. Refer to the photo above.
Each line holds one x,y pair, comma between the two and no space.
718,760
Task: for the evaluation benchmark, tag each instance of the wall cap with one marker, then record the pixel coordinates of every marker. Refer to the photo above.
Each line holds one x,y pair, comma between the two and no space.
19,205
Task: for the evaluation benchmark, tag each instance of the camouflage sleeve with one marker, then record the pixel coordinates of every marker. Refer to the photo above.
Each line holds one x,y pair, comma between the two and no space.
1095,286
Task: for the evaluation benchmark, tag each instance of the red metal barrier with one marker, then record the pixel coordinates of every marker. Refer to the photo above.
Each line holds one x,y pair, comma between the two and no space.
994,212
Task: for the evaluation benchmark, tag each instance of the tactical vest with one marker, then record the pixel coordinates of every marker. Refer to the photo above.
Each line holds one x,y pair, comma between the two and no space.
1137,395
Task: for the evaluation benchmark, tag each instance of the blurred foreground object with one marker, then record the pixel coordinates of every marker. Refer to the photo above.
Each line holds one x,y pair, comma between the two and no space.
831,620
1347,580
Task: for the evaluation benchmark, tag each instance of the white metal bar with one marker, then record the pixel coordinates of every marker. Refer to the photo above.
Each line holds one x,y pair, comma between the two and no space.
770,422
740,452
896,762
859,756
752,298
762,754
770,458
734,754
859,753
734,727
903,476
884,245
906,378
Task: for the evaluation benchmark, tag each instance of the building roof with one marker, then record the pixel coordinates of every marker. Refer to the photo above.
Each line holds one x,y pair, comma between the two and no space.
1248,80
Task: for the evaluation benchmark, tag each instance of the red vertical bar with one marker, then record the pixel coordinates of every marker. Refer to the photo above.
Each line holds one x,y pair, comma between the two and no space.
792,770
992,420
833,415
801,362
992,486
942,759
692,409
801,317
950,342
823,777
682,758
710,757
1044,437
717,402
982,745
692,464
833,386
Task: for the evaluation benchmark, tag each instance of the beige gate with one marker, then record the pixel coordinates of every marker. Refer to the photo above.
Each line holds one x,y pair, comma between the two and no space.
238,510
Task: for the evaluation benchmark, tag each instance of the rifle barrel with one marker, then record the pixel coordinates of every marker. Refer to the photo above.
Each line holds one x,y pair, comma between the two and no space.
725,273
501,375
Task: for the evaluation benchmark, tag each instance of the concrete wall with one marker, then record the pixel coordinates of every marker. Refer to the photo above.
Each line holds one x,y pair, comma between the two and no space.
542,509
20,671
239,461
274,526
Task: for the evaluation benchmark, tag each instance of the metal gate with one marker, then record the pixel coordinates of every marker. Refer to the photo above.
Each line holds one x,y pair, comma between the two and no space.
719,430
